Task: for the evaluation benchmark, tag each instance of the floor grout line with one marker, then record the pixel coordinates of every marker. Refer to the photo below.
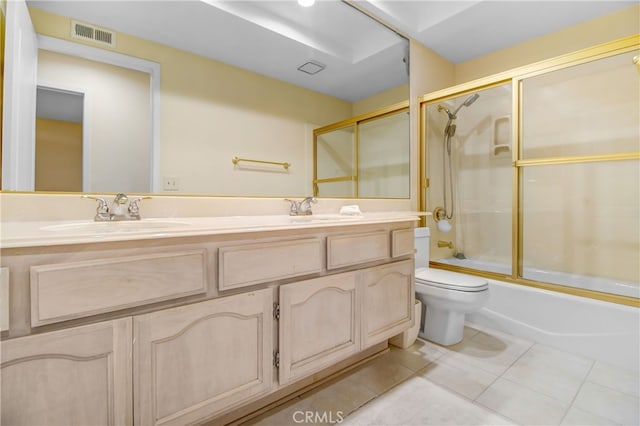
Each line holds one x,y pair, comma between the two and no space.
609,387
404,369
573,400
471,401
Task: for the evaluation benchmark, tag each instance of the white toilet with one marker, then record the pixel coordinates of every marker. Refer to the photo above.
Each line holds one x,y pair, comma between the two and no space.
446,296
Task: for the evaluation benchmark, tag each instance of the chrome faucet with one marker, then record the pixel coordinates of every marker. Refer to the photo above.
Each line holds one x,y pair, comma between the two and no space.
301,208
117,211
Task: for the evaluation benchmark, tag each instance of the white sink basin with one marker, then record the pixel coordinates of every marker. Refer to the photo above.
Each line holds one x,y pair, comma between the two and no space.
116,226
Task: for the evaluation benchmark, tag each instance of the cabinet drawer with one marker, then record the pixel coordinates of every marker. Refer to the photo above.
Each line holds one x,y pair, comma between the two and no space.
345,250
250,264
65,291
402,242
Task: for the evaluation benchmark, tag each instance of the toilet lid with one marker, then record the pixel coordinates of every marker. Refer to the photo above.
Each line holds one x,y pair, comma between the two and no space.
450,280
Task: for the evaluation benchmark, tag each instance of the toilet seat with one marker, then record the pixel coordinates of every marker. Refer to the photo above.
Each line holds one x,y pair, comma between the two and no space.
450,280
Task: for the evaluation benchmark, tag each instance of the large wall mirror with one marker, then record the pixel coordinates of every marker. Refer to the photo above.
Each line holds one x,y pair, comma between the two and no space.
227,104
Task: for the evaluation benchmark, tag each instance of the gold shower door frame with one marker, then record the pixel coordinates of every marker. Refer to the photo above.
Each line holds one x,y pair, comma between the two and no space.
516,78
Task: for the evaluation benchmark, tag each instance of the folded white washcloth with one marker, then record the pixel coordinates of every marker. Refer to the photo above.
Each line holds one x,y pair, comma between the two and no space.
353,210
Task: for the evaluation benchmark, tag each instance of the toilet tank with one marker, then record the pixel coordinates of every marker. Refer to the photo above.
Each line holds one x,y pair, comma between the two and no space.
421,238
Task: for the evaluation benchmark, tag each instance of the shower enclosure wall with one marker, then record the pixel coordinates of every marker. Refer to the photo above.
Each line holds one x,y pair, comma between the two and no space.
546,176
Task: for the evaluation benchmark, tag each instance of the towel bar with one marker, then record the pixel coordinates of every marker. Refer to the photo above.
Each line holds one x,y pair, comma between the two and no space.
236,160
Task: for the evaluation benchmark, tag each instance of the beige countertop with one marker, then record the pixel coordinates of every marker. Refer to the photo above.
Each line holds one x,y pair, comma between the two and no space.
14,234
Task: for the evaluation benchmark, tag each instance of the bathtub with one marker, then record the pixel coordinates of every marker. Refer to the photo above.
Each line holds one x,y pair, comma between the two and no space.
594,329
605,285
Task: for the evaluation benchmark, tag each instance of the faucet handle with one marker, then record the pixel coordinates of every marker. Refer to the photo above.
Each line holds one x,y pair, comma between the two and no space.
102,212
134,206
305,205
293,208
101,201
310,200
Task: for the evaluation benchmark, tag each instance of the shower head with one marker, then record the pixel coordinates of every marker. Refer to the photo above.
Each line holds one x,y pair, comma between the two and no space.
471,99
467,102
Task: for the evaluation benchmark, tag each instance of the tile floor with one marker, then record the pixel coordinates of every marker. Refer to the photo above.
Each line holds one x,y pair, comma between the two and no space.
490,378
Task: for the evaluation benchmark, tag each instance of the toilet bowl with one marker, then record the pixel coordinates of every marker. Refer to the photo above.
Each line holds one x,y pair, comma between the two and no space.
446,296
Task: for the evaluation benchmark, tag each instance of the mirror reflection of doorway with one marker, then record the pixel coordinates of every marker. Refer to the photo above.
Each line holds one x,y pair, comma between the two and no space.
59,130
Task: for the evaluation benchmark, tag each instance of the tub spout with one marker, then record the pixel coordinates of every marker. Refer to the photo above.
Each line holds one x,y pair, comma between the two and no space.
442,244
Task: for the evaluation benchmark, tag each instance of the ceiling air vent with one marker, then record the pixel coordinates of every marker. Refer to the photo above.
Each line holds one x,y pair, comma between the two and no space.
311,67
93,34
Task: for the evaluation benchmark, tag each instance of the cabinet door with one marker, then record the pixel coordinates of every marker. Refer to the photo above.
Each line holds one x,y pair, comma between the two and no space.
388,295
319,324
194,361
78,376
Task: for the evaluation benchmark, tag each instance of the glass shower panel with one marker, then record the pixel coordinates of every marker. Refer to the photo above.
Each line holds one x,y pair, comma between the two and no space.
478,189
383,157
580,225
587,109
335,162
340,189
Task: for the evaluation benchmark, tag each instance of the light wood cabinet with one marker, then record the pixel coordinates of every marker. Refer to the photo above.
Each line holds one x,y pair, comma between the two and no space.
194,361
193,342
78,376
388,300
319,324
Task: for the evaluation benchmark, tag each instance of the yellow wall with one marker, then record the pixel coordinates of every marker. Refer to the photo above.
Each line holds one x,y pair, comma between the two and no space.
381,100
58,155
623,23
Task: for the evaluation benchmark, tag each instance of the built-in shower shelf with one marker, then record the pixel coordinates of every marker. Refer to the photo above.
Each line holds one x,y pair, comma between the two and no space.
501,148
501,136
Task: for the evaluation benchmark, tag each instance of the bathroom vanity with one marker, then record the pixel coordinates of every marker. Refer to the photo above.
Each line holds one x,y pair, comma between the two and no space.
195,320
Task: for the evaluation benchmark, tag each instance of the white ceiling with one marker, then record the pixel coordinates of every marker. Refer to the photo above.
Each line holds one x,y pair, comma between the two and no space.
463,30
361,57
272,38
